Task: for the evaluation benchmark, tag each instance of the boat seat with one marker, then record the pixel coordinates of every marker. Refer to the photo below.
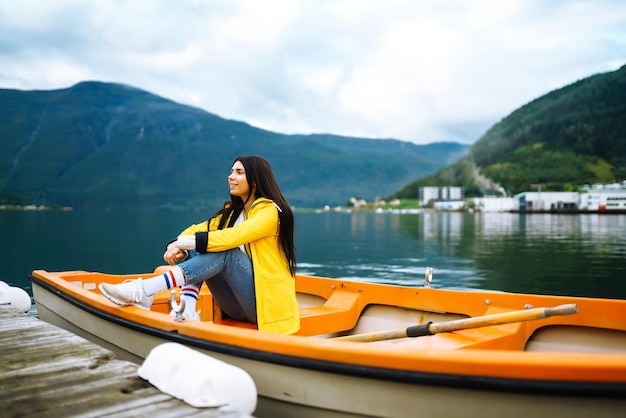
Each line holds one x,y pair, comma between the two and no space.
340,312
218,318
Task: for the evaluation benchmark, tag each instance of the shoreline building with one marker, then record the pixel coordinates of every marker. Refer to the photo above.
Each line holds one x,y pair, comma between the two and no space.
595,198
442,198
603,197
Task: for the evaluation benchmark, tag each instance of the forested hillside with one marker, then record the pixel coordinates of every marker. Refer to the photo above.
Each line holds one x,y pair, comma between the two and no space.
572,136
105,146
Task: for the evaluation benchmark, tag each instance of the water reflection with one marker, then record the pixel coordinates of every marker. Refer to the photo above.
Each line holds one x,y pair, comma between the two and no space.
554,254
582,255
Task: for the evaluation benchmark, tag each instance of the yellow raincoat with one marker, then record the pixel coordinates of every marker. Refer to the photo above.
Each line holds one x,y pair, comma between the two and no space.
276,303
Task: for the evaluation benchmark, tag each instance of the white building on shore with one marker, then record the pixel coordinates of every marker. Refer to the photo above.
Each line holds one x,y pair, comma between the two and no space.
546,201
603,197
595,198
432,194
599,197
493,204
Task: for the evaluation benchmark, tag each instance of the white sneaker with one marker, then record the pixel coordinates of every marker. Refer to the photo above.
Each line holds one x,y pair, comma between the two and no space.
128,293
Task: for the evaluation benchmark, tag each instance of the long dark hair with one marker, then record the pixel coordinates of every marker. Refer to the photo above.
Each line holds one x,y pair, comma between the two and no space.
259,174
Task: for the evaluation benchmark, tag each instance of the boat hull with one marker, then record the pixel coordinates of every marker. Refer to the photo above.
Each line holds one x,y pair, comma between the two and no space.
292,386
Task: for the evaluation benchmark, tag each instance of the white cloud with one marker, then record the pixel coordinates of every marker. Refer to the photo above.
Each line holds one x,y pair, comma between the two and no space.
418,71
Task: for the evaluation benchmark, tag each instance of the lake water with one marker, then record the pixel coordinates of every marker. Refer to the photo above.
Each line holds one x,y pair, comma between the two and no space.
581,255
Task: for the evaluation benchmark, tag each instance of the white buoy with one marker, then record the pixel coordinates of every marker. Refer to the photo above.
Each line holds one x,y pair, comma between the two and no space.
14,296
199,379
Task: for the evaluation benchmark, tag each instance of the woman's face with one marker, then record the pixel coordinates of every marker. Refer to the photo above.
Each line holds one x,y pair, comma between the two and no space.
238,182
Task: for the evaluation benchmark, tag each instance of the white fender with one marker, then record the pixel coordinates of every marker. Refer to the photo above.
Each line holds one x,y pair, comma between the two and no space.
198,379
14,296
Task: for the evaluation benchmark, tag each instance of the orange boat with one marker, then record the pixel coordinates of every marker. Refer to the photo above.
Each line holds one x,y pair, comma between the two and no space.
378,350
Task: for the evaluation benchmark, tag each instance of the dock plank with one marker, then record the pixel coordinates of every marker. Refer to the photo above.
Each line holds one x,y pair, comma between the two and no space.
46,371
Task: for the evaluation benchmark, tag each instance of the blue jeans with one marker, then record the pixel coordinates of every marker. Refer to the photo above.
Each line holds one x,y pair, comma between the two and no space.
230,279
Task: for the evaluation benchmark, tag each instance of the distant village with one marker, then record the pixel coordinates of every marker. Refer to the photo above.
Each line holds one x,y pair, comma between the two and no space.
35,208
594,198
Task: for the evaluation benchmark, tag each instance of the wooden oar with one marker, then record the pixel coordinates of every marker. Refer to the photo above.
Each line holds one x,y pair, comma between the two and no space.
430,328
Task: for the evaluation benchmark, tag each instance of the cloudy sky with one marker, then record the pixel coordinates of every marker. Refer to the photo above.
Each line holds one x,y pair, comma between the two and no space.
420,71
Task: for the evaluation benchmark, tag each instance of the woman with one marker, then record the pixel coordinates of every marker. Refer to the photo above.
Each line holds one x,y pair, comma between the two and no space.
244,253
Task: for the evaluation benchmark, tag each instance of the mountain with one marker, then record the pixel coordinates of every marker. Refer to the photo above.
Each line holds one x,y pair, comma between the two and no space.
567,138
109,146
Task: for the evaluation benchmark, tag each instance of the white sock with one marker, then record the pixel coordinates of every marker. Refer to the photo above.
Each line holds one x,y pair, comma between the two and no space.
189,293
167,280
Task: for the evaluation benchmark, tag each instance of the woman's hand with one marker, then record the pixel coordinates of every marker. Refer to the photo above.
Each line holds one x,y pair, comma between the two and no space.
173,254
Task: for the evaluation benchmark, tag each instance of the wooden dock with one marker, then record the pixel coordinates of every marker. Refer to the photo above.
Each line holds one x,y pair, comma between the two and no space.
46,371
